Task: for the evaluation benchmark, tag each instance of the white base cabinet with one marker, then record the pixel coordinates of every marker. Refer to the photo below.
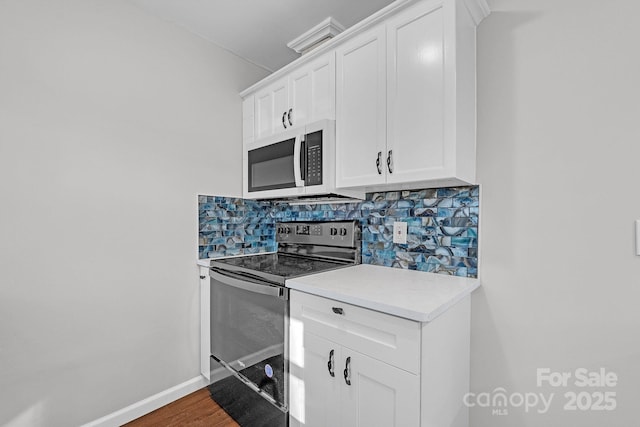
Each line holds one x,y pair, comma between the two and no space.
350,366
343,387
205,324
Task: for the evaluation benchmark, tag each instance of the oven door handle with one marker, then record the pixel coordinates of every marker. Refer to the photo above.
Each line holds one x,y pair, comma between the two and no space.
247,285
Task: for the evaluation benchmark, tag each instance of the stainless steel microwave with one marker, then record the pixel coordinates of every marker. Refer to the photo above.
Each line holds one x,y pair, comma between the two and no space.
298,162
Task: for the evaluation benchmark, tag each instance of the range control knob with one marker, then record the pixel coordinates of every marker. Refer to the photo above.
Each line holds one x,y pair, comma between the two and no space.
333,231
343,231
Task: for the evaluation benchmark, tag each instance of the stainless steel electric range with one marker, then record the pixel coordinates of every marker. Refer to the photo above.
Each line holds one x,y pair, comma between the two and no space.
250,315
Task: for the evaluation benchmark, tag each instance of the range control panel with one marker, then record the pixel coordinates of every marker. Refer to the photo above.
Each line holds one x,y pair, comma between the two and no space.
335,233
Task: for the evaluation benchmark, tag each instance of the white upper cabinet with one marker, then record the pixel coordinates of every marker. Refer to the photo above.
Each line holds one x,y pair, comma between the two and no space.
248,107
414,109
305,95
360,109
416,96
401,86
271,108
313,88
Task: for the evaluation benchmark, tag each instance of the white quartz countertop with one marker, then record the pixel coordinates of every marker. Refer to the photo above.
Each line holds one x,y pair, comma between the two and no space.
414,295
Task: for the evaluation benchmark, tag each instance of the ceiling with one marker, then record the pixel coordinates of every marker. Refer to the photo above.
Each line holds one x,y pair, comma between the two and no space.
258,30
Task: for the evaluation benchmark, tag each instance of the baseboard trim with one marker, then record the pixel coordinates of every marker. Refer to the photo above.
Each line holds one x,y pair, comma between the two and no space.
149,404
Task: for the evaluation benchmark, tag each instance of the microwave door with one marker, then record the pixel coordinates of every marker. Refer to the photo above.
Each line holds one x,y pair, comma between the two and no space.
273,167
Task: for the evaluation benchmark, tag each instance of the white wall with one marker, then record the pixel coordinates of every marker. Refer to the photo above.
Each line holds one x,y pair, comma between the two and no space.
558,146
111,123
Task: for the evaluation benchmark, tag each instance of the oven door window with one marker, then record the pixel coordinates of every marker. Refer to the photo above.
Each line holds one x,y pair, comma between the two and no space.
271,167
248,333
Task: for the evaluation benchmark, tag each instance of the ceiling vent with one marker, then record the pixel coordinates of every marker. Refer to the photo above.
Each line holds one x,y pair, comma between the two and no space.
319,34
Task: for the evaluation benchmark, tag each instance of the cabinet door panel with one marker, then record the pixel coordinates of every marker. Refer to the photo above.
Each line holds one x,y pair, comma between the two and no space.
270,104
312,91
264,114
280,106
205,323
314,392
248,125
360,109
416,94
323,88
380,395
301,97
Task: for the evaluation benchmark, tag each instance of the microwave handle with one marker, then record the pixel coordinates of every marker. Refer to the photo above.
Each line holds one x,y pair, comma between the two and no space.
297,170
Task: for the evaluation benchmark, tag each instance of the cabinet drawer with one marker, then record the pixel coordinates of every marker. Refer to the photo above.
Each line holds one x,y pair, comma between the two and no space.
388,338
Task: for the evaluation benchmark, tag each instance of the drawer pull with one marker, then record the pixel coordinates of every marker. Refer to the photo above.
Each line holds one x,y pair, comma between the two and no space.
337,310
347,371
330,364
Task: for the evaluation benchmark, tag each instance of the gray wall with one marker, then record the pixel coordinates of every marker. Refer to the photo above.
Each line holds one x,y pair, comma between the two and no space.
111,123
558,145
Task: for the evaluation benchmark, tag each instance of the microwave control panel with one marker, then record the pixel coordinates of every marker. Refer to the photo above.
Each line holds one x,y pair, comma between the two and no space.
314,158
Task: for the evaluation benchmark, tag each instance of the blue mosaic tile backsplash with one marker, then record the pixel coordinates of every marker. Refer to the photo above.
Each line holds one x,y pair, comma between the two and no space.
442,227
234,227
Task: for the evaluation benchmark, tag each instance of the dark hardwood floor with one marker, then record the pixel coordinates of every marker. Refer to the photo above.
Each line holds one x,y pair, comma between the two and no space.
195,409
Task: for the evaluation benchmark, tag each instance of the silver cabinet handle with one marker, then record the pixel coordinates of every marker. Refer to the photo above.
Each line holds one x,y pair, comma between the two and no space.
284,116
347,371
289,116
378,162
390,161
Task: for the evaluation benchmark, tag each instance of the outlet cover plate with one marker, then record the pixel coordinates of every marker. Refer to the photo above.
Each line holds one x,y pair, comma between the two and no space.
400,232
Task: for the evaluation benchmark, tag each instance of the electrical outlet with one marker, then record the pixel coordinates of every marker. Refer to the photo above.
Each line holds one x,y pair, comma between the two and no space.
400,232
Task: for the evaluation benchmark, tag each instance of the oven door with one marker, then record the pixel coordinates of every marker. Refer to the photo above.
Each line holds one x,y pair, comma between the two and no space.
248,332
275,166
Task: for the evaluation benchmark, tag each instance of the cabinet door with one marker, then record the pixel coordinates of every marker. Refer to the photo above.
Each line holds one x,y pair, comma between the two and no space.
315,392
312,91
205,324
271,104
361,109
415,94
379,395
248,125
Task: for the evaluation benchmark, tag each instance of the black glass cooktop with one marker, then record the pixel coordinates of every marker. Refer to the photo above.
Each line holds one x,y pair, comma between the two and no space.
276,267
